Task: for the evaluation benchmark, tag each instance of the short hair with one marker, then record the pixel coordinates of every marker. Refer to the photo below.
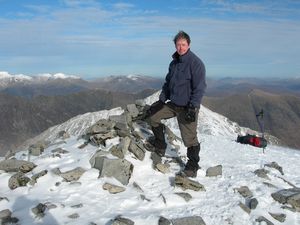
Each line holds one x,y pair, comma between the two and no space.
182,35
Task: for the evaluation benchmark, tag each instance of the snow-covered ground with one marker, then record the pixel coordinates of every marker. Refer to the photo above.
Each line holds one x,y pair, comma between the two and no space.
218,205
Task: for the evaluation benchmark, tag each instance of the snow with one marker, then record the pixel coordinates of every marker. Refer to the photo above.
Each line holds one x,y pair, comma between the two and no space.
217,205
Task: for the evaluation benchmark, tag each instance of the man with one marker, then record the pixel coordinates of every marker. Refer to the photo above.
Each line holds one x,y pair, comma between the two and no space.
184,88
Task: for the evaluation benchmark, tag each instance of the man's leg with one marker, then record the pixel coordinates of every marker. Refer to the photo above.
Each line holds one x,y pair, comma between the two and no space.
189,136
157,127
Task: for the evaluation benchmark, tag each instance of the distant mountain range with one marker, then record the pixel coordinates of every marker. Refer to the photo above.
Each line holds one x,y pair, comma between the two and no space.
29,105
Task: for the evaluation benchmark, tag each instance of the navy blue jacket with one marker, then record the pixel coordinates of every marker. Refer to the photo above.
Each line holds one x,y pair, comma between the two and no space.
185,82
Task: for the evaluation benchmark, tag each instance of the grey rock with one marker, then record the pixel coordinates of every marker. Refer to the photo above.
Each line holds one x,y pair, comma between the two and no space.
60,151
121,169
121,121
163,167
74,216
122,221
156,159
37,148
186,183
99,153
263,219
132,110
80,205
18,180
113,189
140,102
143,197
72,175
56,171
63,134
116,151
5,214
39,210
288,196
124,145
137,149
164,221
263,173
6,219
253,203
245,208
214,171
275,166
102,126
186,196
137,187
244,191
14,165
37,176
278,216
192,220
270,185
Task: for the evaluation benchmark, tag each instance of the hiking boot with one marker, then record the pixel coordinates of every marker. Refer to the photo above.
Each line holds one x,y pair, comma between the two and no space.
152,146
192,166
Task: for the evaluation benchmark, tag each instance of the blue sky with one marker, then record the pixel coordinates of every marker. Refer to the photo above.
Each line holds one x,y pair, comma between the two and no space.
92,38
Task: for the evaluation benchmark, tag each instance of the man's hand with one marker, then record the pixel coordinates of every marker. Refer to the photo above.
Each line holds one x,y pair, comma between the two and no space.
190,115
154,108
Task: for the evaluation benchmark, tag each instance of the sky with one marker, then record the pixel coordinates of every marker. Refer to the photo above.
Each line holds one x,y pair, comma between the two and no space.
93,38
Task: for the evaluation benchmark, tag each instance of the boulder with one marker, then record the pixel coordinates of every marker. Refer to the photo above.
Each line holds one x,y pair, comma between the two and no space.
18,180
39,210
113,189
186,183
288,196
137,149
72,175
122,221
37,176
14,165
132,110
121,169
214,171
244,191
186,196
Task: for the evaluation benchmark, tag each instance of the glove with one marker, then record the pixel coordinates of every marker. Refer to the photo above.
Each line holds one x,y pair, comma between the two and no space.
154,108
190,115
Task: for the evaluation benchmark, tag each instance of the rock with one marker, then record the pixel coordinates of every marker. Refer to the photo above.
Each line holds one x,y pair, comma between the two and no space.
253,203
288,196
80,205
214,171
14,165
156,159
116,151
121,121
270,185
124,145
137,149
186,183
192,220
140,102
132,110
278,216
63,134
122,221
263,219
164,168
275,166
72,175
60,151
245,208
74,216
113,189
143,197
37,148
102,126
4,198
262,173
186,196
244,191
121,169
37,176
99,153
18,180
137,187
5,217
164,221
39,210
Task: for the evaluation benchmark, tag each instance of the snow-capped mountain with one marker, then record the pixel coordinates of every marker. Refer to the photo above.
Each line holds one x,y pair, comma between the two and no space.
150,194
7,79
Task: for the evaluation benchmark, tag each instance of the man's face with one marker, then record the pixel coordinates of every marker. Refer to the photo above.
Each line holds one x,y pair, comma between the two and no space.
182,46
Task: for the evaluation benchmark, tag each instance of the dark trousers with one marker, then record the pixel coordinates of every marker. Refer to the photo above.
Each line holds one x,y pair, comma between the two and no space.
188,130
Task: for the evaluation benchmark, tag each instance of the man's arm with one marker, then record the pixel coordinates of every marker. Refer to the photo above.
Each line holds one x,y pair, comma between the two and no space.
165,92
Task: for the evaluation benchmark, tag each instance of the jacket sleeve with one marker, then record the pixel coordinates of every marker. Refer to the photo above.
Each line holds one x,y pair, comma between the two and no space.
165,92
198,83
